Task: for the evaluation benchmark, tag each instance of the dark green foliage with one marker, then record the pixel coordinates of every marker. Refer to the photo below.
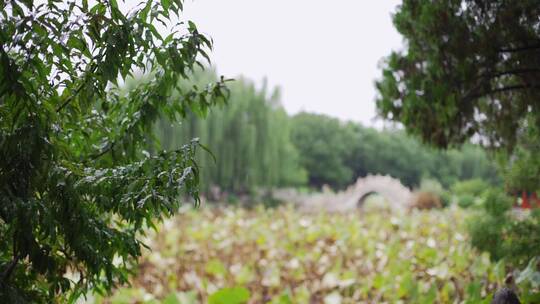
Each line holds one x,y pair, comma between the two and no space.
497,203
322,143
473,187
470,68
521,167
468,191
390,152
336,153
486,229
77,188
495,230
251,135
261,147
466,200
523,239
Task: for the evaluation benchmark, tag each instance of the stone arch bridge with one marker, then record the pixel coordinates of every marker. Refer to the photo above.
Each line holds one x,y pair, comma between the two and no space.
354,196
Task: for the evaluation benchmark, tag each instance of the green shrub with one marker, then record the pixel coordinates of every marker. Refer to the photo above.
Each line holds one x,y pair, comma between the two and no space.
469,191
496,231
465,200
485,233
522,239
487,228
233,199
474,187
446,198
497,203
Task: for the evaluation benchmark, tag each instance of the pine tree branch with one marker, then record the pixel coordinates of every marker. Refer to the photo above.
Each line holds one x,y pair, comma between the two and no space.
520,49
514,72
512,88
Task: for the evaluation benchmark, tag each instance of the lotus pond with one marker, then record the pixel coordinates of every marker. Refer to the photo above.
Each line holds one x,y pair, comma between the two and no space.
235,255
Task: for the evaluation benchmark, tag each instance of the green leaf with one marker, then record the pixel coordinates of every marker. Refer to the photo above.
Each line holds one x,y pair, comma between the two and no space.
144,12
207,150
114,4
192,26
155,31
215,267
235,295
166,4
171,299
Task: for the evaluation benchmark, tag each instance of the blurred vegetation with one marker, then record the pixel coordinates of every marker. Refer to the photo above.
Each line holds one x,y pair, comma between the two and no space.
329,147
258,146
77,186
249,140
497,231
470,70
434,188
88,163
468,192
286,256
521,165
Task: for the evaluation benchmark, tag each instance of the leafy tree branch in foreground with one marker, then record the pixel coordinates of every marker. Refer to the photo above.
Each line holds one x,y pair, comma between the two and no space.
77,187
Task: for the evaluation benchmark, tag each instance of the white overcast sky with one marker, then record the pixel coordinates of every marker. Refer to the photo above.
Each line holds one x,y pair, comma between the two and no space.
323,55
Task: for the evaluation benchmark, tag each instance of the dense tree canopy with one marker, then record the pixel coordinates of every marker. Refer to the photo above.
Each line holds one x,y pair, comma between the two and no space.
336,153
393,152
522,167
322,142
76,187
469,69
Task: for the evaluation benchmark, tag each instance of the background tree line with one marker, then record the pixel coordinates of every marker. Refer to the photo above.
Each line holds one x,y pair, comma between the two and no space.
259,146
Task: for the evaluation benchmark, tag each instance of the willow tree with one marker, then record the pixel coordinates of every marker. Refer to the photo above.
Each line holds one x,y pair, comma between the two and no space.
252,135
76,187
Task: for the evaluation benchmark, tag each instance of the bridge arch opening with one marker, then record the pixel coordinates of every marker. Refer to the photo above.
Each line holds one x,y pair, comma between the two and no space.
373,200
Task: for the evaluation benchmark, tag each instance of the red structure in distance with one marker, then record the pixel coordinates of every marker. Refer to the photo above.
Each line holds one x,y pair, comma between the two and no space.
529,200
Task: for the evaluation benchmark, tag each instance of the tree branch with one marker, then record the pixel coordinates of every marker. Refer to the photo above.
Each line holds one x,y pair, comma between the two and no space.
520,49
91,70
471,96
9,270
513,72
70,98
103,152
7,273
513,88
